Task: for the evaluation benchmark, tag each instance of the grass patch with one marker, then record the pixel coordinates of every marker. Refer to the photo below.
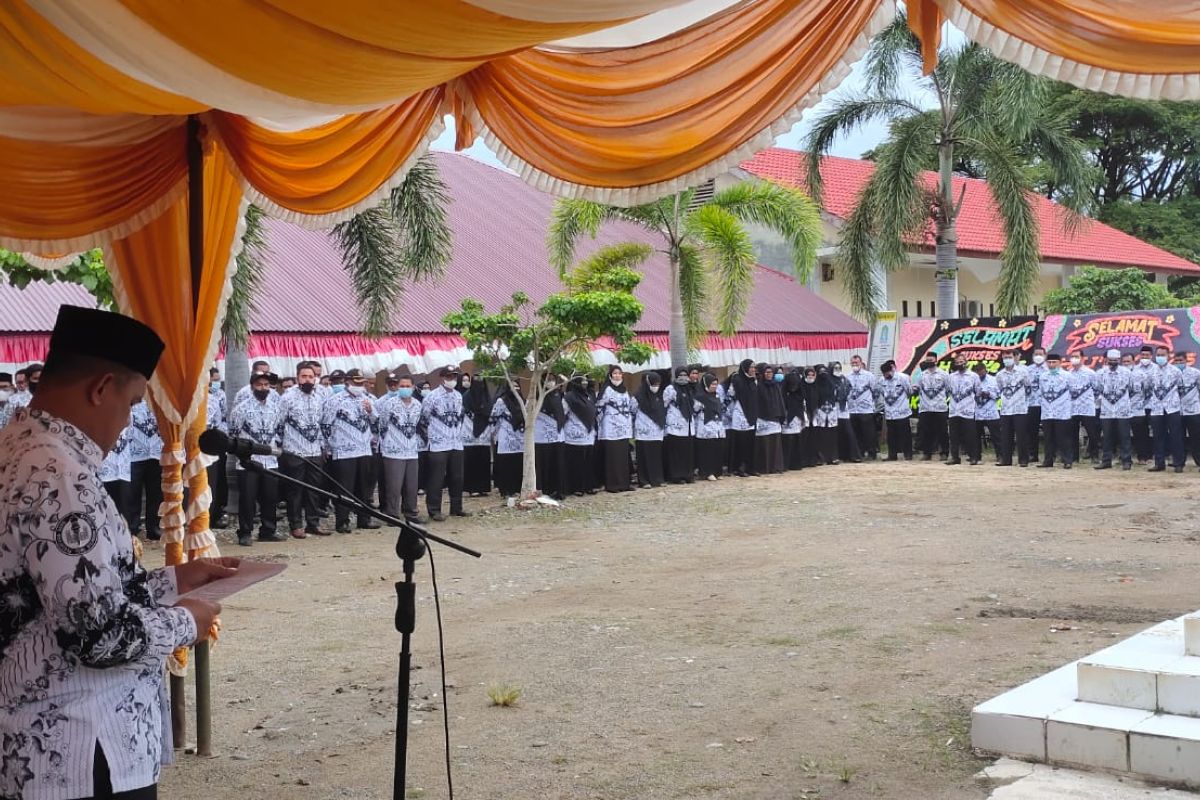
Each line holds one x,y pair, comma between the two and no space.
784,641
504,695
946,728
844,632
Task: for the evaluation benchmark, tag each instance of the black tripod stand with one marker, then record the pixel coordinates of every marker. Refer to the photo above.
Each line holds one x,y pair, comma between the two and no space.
410,546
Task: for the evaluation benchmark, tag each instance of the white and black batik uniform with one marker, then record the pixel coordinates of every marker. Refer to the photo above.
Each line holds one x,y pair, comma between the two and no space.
932,412
987,413
509,424
84,630
1189,410
145,450
679,447
477,448
398,424
1013,383
442,413
579,440
303,445
963,386
895,394
258,421
1143,401
614,428
861,405
1033,397
1165,420
548,445
1083,408
1054,388
115,472
710,439
1120,400
6,411
218,476
346,422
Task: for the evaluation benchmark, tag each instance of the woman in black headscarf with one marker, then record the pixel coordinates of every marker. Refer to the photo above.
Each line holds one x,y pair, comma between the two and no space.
768,432
508,417
579,438
614,429
679,401
743,406
477,438
847,440
825,418
708,410
649,427
809,450
794,420
548,440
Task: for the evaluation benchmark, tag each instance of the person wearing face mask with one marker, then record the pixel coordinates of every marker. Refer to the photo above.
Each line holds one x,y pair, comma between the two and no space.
741,395
218,475
579,438
442,414
257,420
1055,389
20,396
1189,405
615,410
303,445
548,440
33,376
1165,421
477,437
508,420
768,431
347,420
847,440
861,406
677,447
987,409
1013,383
963,387
1116,390
1083,405
932,410
649,429
809,450
794,420
894,392
145,450
6,393
397,424
1033,397
1143,448
246,392
825,417
707,410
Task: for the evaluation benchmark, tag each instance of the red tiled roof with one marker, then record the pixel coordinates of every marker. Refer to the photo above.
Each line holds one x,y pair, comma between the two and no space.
979,228
499,225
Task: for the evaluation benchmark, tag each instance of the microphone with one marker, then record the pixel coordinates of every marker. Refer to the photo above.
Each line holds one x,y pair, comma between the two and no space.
215,442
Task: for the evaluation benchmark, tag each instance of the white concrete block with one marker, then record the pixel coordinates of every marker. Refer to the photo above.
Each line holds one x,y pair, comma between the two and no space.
1039,697
1167,747
1014,722
1022,737
1092,735
1191,634
1179,688
1117,685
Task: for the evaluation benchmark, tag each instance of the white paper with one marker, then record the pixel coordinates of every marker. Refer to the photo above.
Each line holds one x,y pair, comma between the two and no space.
248,573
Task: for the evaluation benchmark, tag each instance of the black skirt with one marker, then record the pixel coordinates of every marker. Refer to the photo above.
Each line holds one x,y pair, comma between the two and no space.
549,465
650,463
477,469
507,473
679,456
616,464
710,456
580,472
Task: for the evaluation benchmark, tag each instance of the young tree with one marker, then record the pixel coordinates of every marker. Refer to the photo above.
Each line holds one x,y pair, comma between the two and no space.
523,343
1093,290
990,115
87,270
709,249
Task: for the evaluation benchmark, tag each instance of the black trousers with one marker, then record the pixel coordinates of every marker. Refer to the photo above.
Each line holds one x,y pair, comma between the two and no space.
256,491
825,442
301,503
1058,441
1034,429
119,492
616,464
1168,439
1139,426
445,471
477,469
680,458
650,463
145,483
710,456
218,482
1115,436
992,427
864,432
102,783
847,441
963,437
932,432
1091,427
580,473
743,451
354,474
549,465
1014,430
899,438
1191,432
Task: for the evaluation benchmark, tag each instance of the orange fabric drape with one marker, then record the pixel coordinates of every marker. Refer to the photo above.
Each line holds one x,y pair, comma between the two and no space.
925,21
647,114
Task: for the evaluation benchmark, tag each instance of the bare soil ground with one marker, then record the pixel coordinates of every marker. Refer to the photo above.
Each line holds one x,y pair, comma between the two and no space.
821,634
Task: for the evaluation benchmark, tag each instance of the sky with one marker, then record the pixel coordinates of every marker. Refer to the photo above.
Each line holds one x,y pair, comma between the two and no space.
852,145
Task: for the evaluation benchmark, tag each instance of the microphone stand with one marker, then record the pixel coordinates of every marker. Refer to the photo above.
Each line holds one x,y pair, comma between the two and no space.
410,546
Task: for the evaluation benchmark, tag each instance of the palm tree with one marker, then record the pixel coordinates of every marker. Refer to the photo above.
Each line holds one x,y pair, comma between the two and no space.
991,119
707,245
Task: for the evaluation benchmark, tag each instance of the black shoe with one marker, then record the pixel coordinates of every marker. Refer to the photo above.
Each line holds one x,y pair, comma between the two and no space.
856,460
927,457
892,458
1067,465
1004,464
1103,465
1023,464
461,513
313,530
1178,469
222,521
974,463
952,462
244,540
1126,467
415,519
907,457
153,537
437,517
1044,465
273,536
343,527
1157,468
369,525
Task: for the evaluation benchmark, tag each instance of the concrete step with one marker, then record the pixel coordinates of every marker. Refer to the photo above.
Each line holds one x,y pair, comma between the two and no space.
1191,634
1148,671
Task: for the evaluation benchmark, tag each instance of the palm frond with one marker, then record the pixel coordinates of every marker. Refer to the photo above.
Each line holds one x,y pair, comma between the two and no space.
842,117
693,291
785,211
374,258
1020,260
1063,158
894,51
729,254
570,220
624,255
897,190
856,259
247,280
418,207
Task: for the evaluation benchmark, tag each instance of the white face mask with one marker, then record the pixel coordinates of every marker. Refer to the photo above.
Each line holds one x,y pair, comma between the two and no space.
357,391
653,389
1039,359
449,384
856,367
809,379
837,370
1144,360
1075,362
1008,362
5,394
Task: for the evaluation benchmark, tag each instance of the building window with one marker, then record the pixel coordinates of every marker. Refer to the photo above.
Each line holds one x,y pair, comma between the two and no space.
919,314
991,309
932,308
904,306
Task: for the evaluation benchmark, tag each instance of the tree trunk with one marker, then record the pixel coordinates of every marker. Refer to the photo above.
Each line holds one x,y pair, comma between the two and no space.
946,253
529,462
677,332
237,371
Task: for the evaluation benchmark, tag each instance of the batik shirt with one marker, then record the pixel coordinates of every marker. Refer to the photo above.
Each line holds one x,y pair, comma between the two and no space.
258,421
712,429
300,424
677,425
793,424
862,392
545,429
963,387
575,432
1014,390
20,399
1144,397
467,434
509,440
1083,391
1165,386
932,388
1117,392
614,415
84,630
1033,384
895,393
116,465
442,410
398,426
736,418
218,411
1055,389
1189,391
145,443
346,421
986,397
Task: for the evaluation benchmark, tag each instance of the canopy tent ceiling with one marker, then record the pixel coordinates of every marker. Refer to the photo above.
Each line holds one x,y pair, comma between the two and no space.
112,111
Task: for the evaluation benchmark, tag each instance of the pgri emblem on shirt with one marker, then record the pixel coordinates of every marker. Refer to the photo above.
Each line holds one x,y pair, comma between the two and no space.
76,534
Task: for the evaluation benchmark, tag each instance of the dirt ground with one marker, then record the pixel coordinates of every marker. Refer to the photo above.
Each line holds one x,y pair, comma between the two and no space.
821,634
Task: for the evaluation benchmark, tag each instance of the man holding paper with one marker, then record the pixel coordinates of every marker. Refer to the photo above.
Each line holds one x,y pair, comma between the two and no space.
84,629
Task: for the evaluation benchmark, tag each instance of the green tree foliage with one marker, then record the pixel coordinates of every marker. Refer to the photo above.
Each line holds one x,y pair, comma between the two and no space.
1093,290
1173,225
87,270
523,344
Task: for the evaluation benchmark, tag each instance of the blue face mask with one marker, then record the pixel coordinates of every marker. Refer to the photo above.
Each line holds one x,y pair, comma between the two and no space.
778,377
404,392
1182,366
1160,360
1054,369
338,388
393,393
